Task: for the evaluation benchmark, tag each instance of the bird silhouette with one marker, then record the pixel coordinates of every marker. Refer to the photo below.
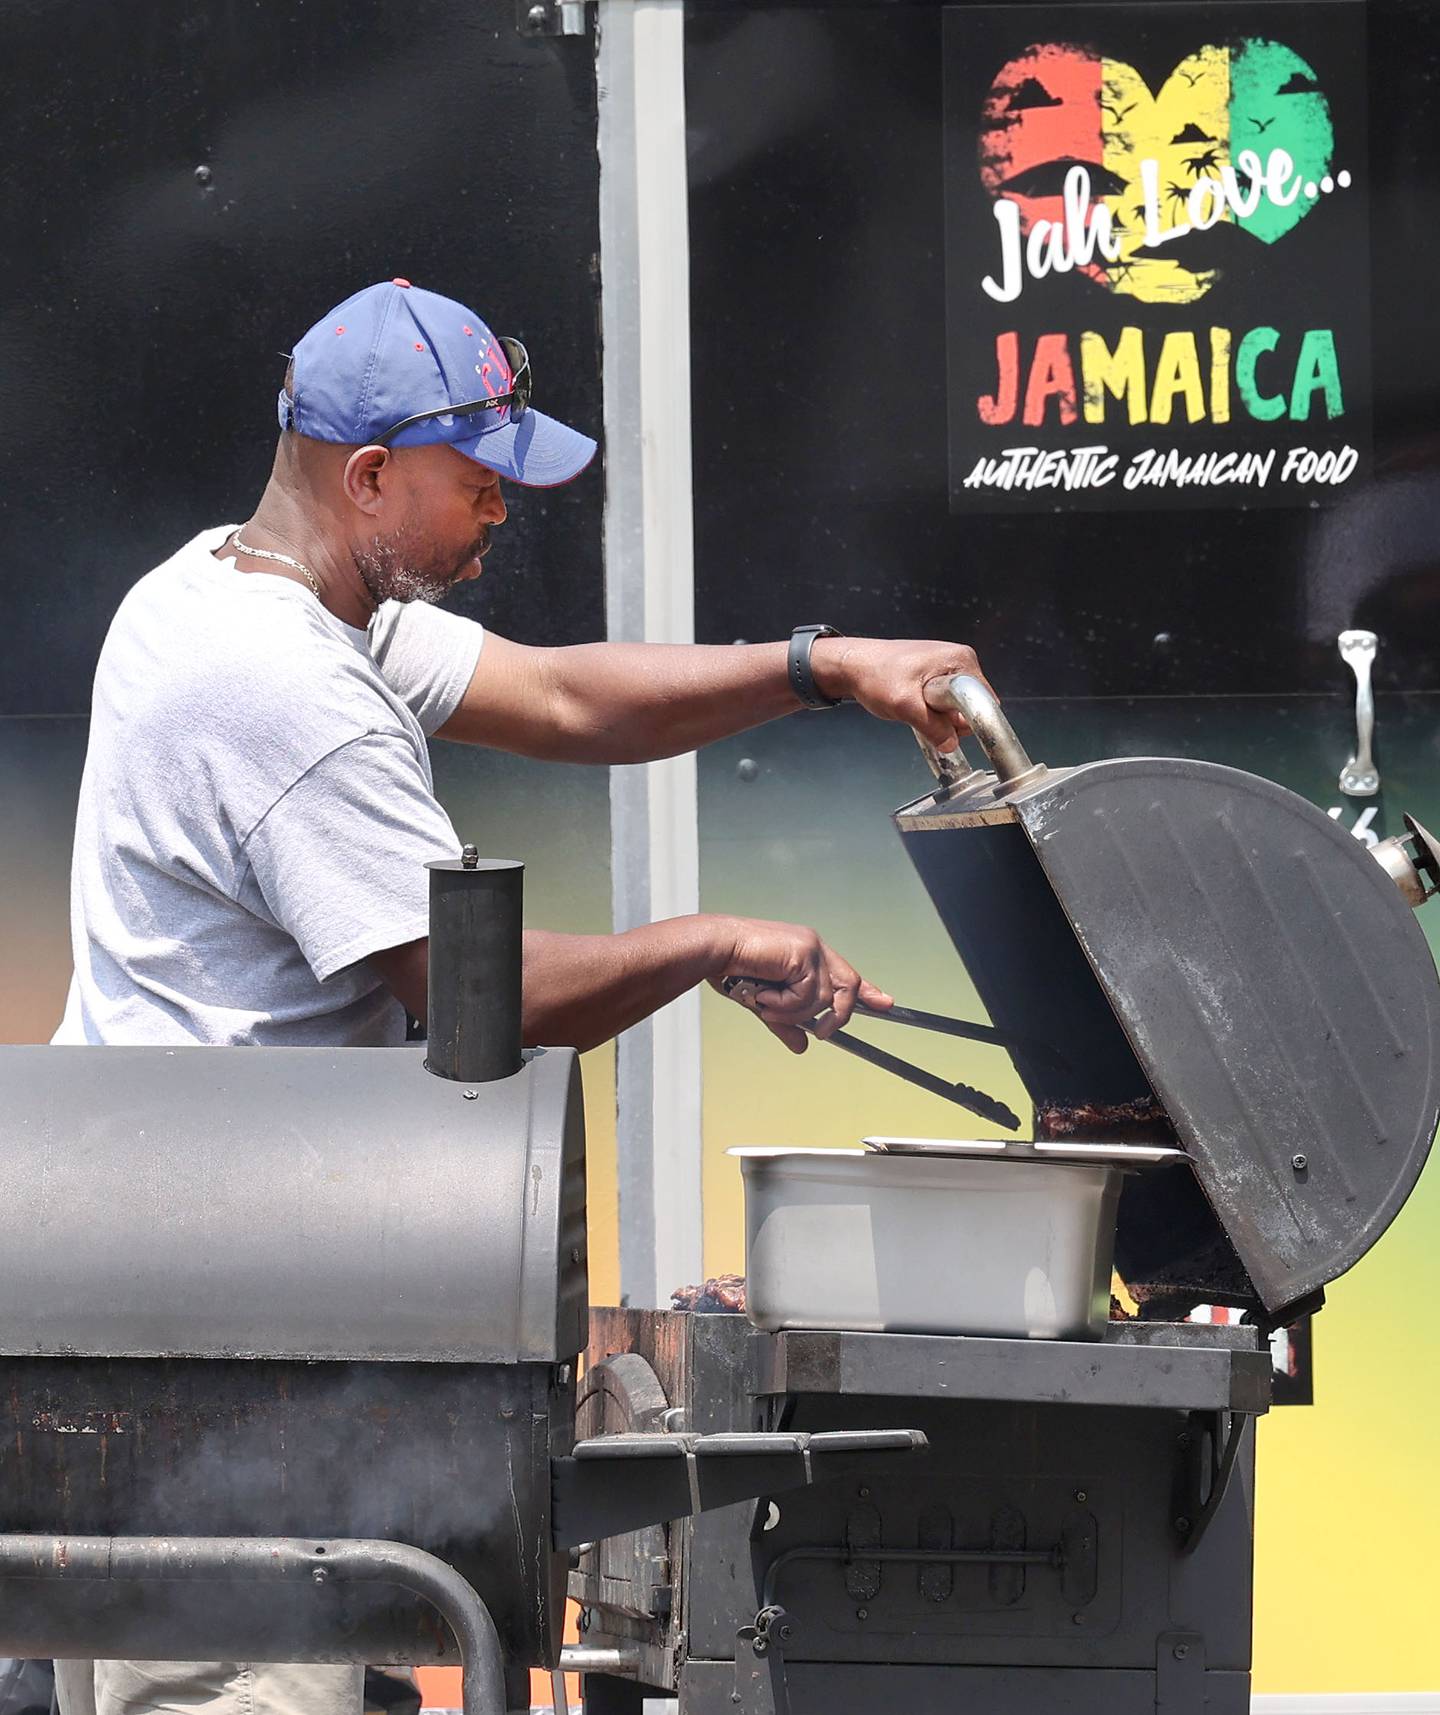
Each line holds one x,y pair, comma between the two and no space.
1262,126
1031,93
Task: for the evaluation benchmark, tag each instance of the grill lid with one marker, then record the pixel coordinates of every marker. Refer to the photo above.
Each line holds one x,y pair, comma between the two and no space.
1190,930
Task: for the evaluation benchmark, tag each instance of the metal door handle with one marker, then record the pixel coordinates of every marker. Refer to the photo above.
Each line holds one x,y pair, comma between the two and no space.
1360,778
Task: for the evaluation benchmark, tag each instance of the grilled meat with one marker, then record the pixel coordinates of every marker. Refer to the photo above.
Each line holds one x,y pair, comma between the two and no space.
1140,1121
723,1295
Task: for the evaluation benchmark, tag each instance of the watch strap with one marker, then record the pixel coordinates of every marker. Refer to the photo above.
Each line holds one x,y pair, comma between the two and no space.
802,678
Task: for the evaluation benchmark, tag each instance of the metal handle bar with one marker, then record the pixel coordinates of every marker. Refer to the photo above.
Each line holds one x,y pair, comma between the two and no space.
952,771
624,1661
978,704
270,1557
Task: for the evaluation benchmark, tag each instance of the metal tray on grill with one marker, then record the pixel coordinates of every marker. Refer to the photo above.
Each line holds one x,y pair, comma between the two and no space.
1115,1154
928,1244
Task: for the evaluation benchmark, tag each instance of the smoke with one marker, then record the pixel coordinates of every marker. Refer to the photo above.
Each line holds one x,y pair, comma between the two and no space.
442,1456
452,1458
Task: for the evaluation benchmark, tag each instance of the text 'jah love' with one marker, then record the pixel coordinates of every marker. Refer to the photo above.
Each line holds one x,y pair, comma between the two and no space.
1087,239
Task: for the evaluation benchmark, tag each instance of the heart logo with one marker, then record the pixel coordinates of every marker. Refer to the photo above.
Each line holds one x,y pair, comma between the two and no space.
1058,106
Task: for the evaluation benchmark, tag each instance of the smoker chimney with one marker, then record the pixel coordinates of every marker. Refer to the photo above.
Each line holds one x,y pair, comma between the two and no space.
474,987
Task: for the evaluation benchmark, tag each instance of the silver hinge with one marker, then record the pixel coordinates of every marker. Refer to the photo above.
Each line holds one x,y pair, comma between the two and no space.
550,17
1180,1674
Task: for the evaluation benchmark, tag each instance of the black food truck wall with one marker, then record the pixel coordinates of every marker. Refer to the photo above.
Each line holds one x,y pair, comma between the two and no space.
855,425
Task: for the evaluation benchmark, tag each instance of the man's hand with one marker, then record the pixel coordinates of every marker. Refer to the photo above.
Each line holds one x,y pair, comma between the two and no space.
787,976
888,679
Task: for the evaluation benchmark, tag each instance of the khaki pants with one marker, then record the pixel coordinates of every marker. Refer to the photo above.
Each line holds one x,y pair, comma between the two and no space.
218,1687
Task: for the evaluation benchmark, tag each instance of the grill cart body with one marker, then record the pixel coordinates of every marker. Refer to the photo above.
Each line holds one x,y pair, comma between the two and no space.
1084,1512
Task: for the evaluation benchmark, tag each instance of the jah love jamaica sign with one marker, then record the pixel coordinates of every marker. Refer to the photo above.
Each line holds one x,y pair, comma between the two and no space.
1156,255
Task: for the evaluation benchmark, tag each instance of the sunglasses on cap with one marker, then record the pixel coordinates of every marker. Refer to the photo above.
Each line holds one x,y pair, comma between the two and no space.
518,398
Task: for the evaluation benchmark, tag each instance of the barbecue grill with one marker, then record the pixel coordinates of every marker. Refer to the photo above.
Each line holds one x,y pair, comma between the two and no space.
288,1343
1169,950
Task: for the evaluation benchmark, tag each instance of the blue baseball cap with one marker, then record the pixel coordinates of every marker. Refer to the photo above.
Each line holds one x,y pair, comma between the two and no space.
394,352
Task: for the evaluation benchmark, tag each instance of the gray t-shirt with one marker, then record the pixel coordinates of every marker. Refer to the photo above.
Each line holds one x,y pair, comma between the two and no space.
256,810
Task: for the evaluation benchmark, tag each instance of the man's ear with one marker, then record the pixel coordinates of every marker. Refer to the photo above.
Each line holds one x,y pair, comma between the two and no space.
367,471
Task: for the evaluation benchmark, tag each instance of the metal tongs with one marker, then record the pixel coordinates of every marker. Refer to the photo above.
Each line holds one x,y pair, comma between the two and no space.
746,990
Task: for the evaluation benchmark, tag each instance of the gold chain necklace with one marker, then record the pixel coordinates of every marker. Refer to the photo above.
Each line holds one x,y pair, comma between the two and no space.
283,559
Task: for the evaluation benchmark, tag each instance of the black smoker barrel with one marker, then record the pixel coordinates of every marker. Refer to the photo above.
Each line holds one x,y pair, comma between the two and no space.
295,1293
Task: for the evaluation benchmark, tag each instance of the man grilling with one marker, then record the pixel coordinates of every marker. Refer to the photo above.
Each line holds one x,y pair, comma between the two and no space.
257,806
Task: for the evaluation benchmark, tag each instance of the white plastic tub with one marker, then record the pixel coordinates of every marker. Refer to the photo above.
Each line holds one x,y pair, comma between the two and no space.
844,1238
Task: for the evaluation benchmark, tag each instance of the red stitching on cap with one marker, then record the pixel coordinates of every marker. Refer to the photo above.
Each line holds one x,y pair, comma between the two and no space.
468,332
418,346
339,330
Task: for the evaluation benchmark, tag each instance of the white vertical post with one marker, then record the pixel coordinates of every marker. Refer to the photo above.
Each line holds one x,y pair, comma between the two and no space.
649,583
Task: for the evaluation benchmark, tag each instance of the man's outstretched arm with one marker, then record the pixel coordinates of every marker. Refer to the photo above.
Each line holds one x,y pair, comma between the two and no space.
634,702
581,990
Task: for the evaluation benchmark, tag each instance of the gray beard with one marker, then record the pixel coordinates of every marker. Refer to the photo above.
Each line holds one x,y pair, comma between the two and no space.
389,576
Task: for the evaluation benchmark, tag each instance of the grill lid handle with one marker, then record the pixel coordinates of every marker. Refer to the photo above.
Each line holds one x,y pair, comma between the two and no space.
974,699
611,1485
952,771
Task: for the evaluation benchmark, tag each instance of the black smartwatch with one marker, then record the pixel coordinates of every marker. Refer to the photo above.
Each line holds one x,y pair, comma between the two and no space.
802,680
